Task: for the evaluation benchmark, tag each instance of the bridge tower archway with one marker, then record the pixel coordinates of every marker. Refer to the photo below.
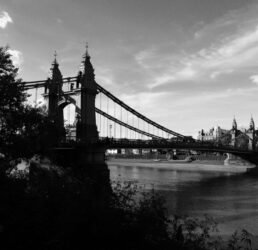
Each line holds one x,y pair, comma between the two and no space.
69,114
71,117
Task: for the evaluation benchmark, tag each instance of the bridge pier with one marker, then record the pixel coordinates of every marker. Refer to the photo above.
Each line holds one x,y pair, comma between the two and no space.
87,162
237,160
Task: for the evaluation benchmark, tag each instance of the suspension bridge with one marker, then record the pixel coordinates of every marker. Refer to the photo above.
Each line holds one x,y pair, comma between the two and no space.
105,120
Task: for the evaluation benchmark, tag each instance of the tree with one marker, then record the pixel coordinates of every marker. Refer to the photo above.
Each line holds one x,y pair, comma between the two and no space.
226,139
35,133
24,130
242,141
11,97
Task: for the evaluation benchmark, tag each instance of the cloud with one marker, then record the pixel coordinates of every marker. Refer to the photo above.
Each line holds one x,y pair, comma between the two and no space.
237,51
231,51
147,100
17,57
186,73
105,80
144,57
5,19
60,21
216,74
105,76
254,79
227,46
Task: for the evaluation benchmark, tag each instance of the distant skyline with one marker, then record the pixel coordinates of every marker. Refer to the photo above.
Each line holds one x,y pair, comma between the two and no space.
186,64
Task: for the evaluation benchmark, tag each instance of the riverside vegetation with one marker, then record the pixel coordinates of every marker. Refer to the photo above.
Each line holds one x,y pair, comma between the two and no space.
44,206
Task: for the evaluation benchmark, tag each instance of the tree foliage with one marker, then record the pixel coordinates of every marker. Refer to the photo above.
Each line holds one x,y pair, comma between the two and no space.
226,139
11,97
242,141
24,130
50,208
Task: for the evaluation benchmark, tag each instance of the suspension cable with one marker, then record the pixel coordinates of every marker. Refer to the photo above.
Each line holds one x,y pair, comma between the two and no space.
36,96
114,122
124,124
121,119
127,123
100,94
30,85
107,119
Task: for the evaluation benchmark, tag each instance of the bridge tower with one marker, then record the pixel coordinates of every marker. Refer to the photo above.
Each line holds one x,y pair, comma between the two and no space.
234,132
88,157
53,93
88,130
251,134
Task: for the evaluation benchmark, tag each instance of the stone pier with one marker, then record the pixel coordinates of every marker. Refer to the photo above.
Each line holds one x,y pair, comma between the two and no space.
87,162
237,160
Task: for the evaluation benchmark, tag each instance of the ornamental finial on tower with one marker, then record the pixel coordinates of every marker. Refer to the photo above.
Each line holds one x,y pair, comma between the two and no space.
86,56
88,68
252,125
55,60
56,74
87,47
234,124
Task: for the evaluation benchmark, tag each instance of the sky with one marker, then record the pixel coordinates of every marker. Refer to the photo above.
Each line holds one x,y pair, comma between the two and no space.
186,64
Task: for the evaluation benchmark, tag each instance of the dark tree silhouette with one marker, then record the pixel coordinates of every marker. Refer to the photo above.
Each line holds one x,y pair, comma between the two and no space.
11,97
226,139
24,130
242,141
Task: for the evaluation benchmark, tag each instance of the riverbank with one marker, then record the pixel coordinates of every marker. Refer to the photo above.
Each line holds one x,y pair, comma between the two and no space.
198,165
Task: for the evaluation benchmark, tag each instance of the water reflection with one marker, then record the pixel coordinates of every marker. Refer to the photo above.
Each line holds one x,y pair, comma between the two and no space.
230,198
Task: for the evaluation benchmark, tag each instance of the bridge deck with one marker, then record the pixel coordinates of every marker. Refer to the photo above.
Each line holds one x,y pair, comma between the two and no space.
111,143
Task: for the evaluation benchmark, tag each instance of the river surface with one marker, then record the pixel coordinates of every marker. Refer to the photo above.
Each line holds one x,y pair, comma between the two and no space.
232,199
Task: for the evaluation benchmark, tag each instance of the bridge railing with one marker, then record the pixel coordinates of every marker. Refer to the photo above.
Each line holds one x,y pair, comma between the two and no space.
159,143
163,143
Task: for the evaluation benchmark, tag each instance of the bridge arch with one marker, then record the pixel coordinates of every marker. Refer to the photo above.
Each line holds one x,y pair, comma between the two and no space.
71,112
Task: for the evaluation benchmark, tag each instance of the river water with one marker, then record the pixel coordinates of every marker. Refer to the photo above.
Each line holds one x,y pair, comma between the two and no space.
232,199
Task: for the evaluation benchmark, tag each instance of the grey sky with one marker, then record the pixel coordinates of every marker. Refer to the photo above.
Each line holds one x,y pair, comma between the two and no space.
188,64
